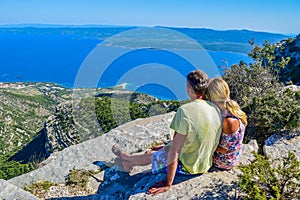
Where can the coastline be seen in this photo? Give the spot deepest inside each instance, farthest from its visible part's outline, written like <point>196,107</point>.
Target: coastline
<point>52,85</point>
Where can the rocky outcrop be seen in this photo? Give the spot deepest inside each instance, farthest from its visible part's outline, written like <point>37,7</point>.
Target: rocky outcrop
<point>9,191</point>
<point>289,48</point>
<point>214,184</point>
<point>76,121</point>
<point>136,137</point>
<point>60,129</point>
<point>132,137</point>
<point>112,183</point>
<point>293,88</point>
<point>278,146</point>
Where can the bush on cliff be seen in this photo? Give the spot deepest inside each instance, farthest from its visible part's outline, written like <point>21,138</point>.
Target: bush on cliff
<point>10,169</point>
<point>270,107</point>
<point>260,180</point>
<point>112,112</point>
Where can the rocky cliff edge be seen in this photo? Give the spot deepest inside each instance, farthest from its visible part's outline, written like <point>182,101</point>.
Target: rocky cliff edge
<point>135,136</point>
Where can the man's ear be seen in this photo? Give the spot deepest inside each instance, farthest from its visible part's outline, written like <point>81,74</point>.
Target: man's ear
<point>189,90</point>
<point>188,87</point>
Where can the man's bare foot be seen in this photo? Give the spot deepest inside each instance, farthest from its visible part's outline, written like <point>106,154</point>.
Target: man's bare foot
<point>117,151</point>
<point>124,164</point>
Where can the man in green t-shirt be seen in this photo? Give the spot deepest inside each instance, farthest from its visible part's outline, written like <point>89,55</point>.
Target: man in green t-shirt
<point>197,127</point>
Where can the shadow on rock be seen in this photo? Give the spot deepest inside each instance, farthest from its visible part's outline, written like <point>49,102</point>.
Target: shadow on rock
<point>120,185</point>
<point>117,184</point>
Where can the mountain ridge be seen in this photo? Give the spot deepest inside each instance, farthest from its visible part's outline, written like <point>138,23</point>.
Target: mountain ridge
<point>211,39</point>
<point>34,25</point>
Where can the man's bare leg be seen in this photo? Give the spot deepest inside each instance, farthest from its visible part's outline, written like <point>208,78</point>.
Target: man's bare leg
<point>139,159</point>
<point>155,149</point>
<point>129,161</point>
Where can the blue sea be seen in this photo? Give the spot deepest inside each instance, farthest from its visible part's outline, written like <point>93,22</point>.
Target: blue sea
<point>60,59</point>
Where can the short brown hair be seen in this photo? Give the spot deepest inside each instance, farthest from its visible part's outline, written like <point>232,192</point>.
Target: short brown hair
<point>198,81</point>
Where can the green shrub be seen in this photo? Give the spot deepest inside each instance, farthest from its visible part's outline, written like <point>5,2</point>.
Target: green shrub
<point>112,112</point>
<point>270,108</point>
<point>268,58</point>
<point>78,178</point>
<point>247,82</point>
<point>10,169</point>
<point>273,112</point>
<point>262,181</point>
<point>39,188</point>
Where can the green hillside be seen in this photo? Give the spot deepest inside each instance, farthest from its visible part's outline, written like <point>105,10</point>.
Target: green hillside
<point>24,107</point>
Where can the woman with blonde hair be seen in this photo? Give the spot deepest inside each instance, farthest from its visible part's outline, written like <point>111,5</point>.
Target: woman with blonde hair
<point>228,151</point>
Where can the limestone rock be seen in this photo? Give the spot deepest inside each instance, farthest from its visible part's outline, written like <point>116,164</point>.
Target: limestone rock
<point>135,136</point>
<point>277,145</point>
<point>9,191</point>
<point>247,150</point>
<point>294,88</point>
<point>60,129</point>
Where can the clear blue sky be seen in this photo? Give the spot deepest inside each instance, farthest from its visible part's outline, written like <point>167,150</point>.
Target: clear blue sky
<point>260,15</point>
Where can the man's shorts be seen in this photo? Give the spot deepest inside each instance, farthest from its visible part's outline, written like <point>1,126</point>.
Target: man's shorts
<point>160,163</point>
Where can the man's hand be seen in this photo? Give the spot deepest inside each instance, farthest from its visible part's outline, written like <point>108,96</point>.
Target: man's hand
<point>158,188</point>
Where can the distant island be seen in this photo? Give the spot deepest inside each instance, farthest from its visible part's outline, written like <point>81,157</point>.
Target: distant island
<point>215,40</point>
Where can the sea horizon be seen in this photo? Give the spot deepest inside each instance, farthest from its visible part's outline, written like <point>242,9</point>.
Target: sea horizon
<point>56,25</point>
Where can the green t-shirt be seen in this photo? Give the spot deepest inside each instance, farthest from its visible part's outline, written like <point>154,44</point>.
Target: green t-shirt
<point>201,122</point>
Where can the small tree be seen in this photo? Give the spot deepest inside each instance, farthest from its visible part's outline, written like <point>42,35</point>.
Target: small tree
<point>249,81</point>
<point>261,181</point>
<point>267,57</point>
<point>273,112</point>
<point>269,106</point>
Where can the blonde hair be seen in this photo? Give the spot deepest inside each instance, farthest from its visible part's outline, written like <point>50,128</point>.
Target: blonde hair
<point>218,91</point>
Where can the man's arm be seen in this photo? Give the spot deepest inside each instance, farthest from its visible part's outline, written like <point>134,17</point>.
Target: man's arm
<point>173,156</point>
